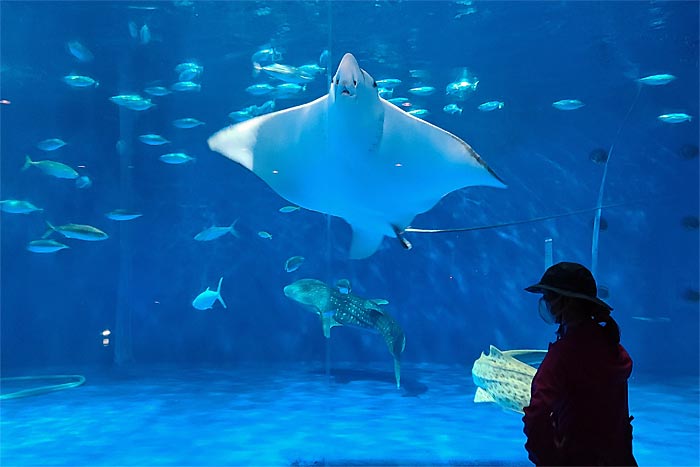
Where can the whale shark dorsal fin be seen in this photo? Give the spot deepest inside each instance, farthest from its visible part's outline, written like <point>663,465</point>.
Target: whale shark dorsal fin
<point>495,353</point>
<point>482,396</point>
<point>374,306</point>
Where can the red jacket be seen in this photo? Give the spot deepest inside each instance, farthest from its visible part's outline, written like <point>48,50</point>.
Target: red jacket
<point>578,412</point>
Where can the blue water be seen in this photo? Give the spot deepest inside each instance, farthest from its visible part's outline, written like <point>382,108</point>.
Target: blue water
<point>453,294</point>
<point>300,416</point>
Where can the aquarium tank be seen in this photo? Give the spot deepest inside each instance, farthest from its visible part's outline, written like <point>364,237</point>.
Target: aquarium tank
<point>298,233</point>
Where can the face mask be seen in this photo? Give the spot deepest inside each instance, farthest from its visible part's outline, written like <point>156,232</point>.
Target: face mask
<point>545,310</point>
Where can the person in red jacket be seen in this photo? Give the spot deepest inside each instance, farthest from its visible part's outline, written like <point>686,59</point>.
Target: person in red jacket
<point>578,412</point>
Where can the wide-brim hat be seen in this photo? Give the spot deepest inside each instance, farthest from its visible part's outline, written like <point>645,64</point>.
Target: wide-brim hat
<point>570,280</point>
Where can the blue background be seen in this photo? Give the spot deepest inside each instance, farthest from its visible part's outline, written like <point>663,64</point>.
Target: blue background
<point>453,294</point>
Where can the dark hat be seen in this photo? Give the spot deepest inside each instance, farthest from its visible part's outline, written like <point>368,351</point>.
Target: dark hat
<point>571,280</point>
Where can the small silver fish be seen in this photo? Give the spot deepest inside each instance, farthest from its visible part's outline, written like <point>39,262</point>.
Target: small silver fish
<point>266,56</point>
<point>452,109</point>
<point>132,102</point>
<point>491,106</point>
<point>123,215</point>
<point>389,83</point>
<point>312,69</point>
<point>191,66</point>
<point>141,105</point>
<point>653,319</point>
<point>287,209</point>
<point>176,158</point>
<point>400,101</point>
<point>16,206</point>
<point>45,246</point>
<point>293,263</point>
<point>420,113</point>
<point>241,115</point>
<point>675,118</point>
<point>121,147</point>
<point>287,90</point>
<point>79,51</point>
<point>265,235</point>
<point>153,139</point>
<point>463,87</point>
<point>123,99</point>
<point>188,71</point>
<point>214,232</point>
<point>422,91</point>
<point>259,89</point>
<point>568,104</point>
<point>83,182</point>
<point>145,35</point>
<point>53,168</point>
<point>133,30</point>
<point>286,73</point>
<point>50,144</point>
<point>187,123</point>
<point>157,91</point>
<point>77,231</point>
<point>206,299</point>
<point>263,11</point>
<point>419,74</point>
<point>186,86</point>
<point>656,80</point>
<point>385,93</point>
<point>325,58</point>
<point>265,107</point>
<point>78,81</point>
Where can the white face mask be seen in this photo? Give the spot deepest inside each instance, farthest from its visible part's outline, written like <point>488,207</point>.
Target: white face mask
<point>545,310</point>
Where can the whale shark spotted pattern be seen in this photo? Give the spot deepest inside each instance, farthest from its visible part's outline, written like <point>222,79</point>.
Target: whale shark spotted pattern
<point>336,308</point>
<point>354,155</point>
<point>506,377</point>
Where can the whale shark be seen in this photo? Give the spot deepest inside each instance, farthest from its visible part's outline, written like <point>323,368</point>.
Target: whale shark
<point>505,378</point>
<point>336,308</point>
<point>354,155</point>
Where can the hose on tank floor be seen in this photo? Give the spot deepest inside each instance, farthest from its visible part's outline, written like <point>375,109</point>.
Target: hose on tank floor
<point>74,382</point>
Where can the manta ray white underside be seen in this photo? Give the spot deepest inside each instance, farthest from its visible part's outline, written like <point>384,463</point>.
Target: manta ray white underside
<point>353,155</point>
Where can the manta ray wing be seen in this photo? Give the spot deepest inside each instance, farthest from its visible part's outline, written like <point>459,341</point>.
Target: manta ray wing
<point>412,167</point>
<point>283,148</point>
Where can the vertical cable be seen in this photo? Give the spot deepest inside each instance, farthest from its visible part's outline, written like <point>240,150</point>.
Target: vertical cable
<point>599,205</point>
<point>329,240</point>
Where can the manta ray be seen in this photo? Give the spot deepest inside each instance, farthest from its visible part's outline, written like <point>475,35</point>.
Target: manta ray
<point>506,377</point>
<point>336,308</point>
<point>353,155</point>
